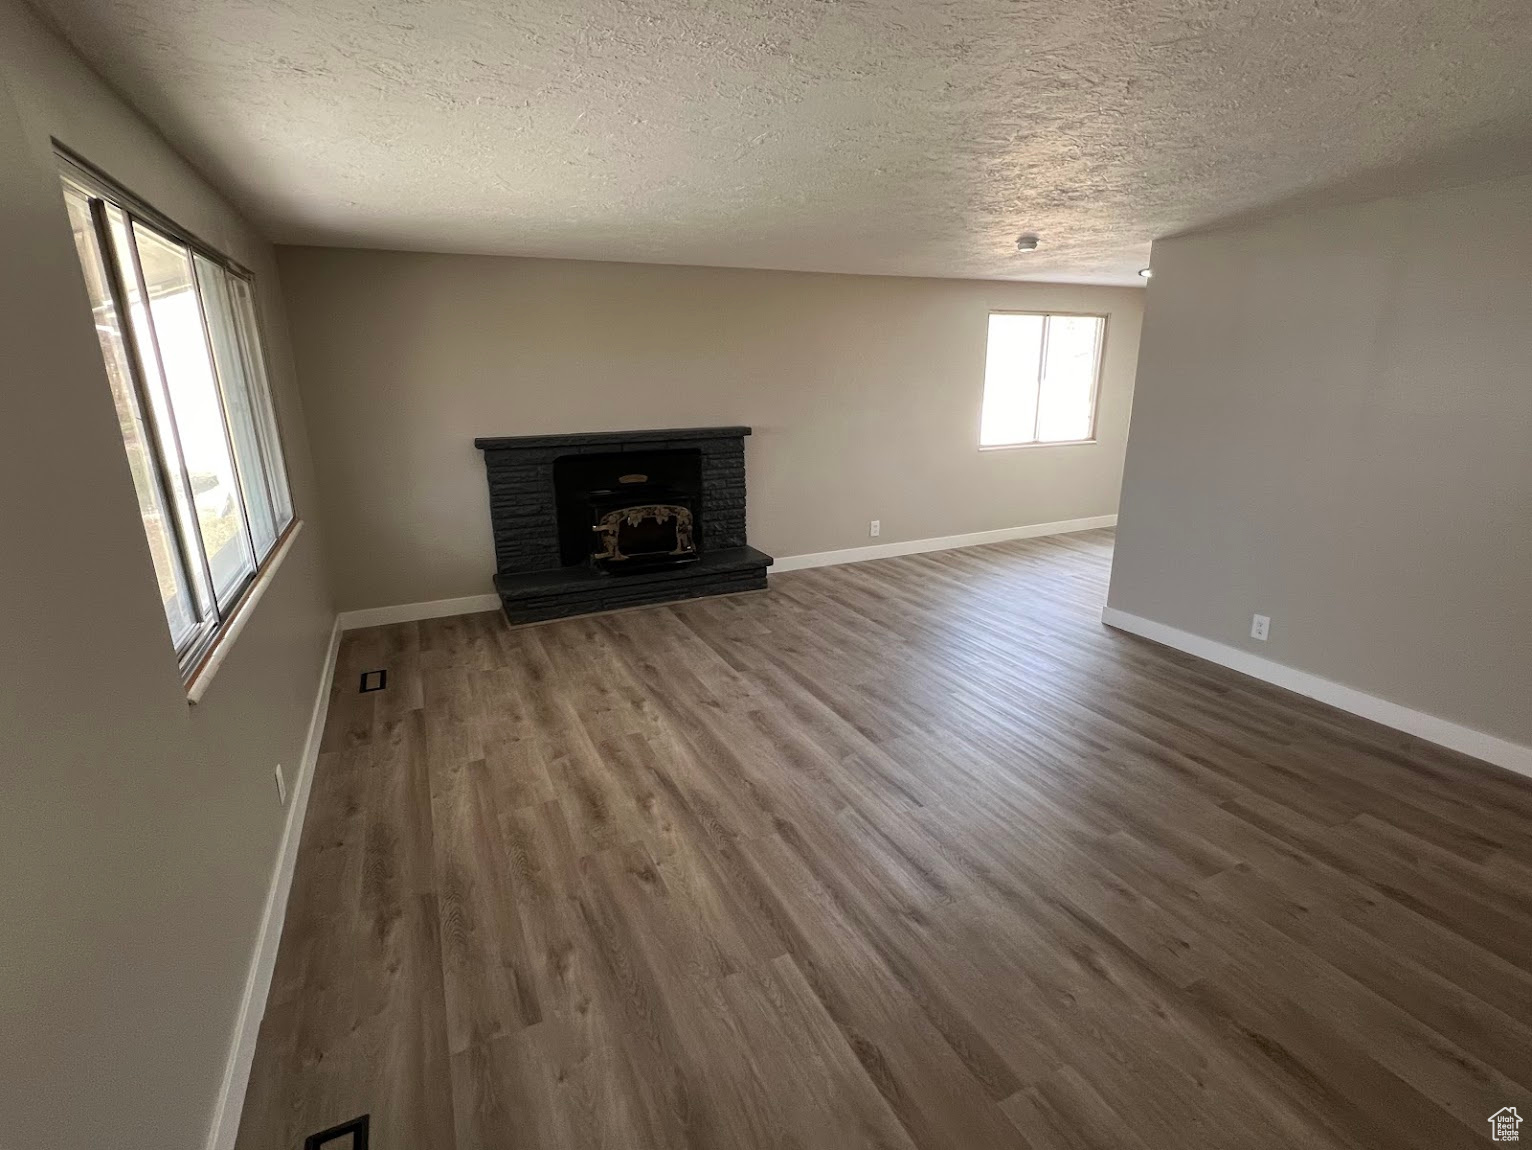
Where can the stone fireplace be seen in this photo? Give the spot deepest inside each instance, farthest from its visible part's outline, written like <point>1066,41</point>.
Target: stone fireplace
<point>592,522</point>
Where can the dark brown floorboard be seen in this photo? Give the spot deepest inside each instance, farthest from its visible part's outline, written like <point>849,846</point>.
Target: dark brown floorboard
<point>913,853</point>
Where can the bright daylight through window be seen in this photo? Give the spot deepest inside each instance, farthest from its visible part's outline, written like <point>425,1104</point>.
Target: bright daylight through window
<point>1040,376</point>
<point>189,383</point>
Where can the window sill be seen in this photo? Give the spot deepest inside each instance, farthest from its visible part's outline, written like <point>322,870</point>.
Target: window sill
<point>202,677</point>
<point>1026,446</point>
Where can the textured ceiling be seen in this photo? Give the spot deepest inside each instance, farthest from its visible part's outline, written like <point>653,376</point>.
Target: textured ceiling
<point>906,136</point>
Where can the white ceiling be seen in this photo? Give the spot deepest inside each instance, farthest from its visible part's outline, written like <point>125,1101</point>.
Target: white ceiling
<point>902,136</point>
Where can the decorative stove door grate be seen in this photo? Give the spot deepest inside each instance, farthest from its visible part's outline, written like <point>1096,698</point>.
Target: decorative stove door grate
<point>644,534</point>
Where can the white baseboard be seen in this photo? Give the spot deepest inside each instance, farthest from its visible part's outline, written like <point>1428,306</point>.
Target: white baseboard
<point>409,612</point>
<point>940,543</point>
<point>247,1027</point>
<point>1443,732</point>
<point>469,604</point>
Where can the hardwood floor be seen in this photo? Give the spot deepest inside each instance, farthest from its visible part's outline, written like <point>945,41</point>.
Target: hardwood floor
<point>912,853</point>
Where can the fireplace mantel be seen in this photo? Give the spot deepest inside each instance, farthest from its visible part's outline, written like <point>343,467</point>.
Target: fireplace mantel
<point>609,440</point>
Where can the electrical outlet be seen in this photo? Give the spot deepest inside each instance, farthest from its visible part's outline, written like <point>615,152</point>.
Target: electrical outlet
<point>281,787</point>
<point>1260,627</point>
<point>875,528</point>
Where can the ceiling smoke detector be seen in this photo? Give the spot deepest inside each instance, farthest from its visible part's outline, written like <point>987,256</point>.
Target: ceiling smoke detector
<point>1026,243</point>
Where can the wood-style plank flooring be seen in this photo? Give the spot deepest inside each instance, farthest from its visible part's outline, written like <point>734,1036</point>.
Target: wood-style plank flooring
<point>912,853</point>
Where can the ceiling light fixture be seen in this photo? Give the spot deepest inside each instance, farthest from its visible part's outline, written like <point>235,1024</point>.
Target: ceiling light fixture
<point>1026,243</point>
<point>1147,273</point>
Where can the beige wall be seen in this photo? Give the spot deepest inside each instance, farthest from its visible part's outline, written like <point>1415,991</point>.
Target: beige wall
<point>864,395</point>
<point>137,834</point>
<point>1333,427</point>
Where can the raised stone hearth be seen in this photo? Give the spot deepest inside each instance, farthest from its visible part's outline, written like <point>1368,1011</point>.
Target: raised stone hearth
<point>555,504</point>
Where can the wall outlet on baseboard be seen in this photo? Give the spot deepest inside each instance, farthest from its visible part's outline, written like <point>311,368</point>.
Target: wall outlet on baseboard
<point>875,528</point>
<point>1260,627</point>
<point>281,786</point>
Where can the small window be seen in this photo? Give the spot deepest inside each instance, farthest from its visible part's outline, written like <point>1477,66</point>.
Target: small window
<point>1040,374</point>
<point>177,327</point>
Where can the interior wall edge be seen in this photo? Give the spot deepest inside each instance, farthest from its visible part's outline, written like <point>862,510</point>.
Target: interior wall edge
<point>413,612</point>
<point>1434,729</point>
<point>472,604</point>
<point>252,1007</point>
<point>939,543</point>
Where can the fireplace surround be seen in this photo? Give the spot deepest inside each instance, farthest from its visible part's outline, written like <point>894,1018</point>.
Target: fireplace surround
<point>595,521</point>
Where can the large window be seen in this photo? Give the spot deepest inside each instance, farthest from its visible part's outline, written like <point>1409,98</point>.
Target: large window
<point>178,331</point>
<point>1040,376</point>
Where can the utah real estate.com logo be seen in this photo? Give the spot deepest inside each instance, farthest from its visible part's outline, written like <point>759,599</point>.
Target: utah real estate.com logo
<point>1505,1125</point>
